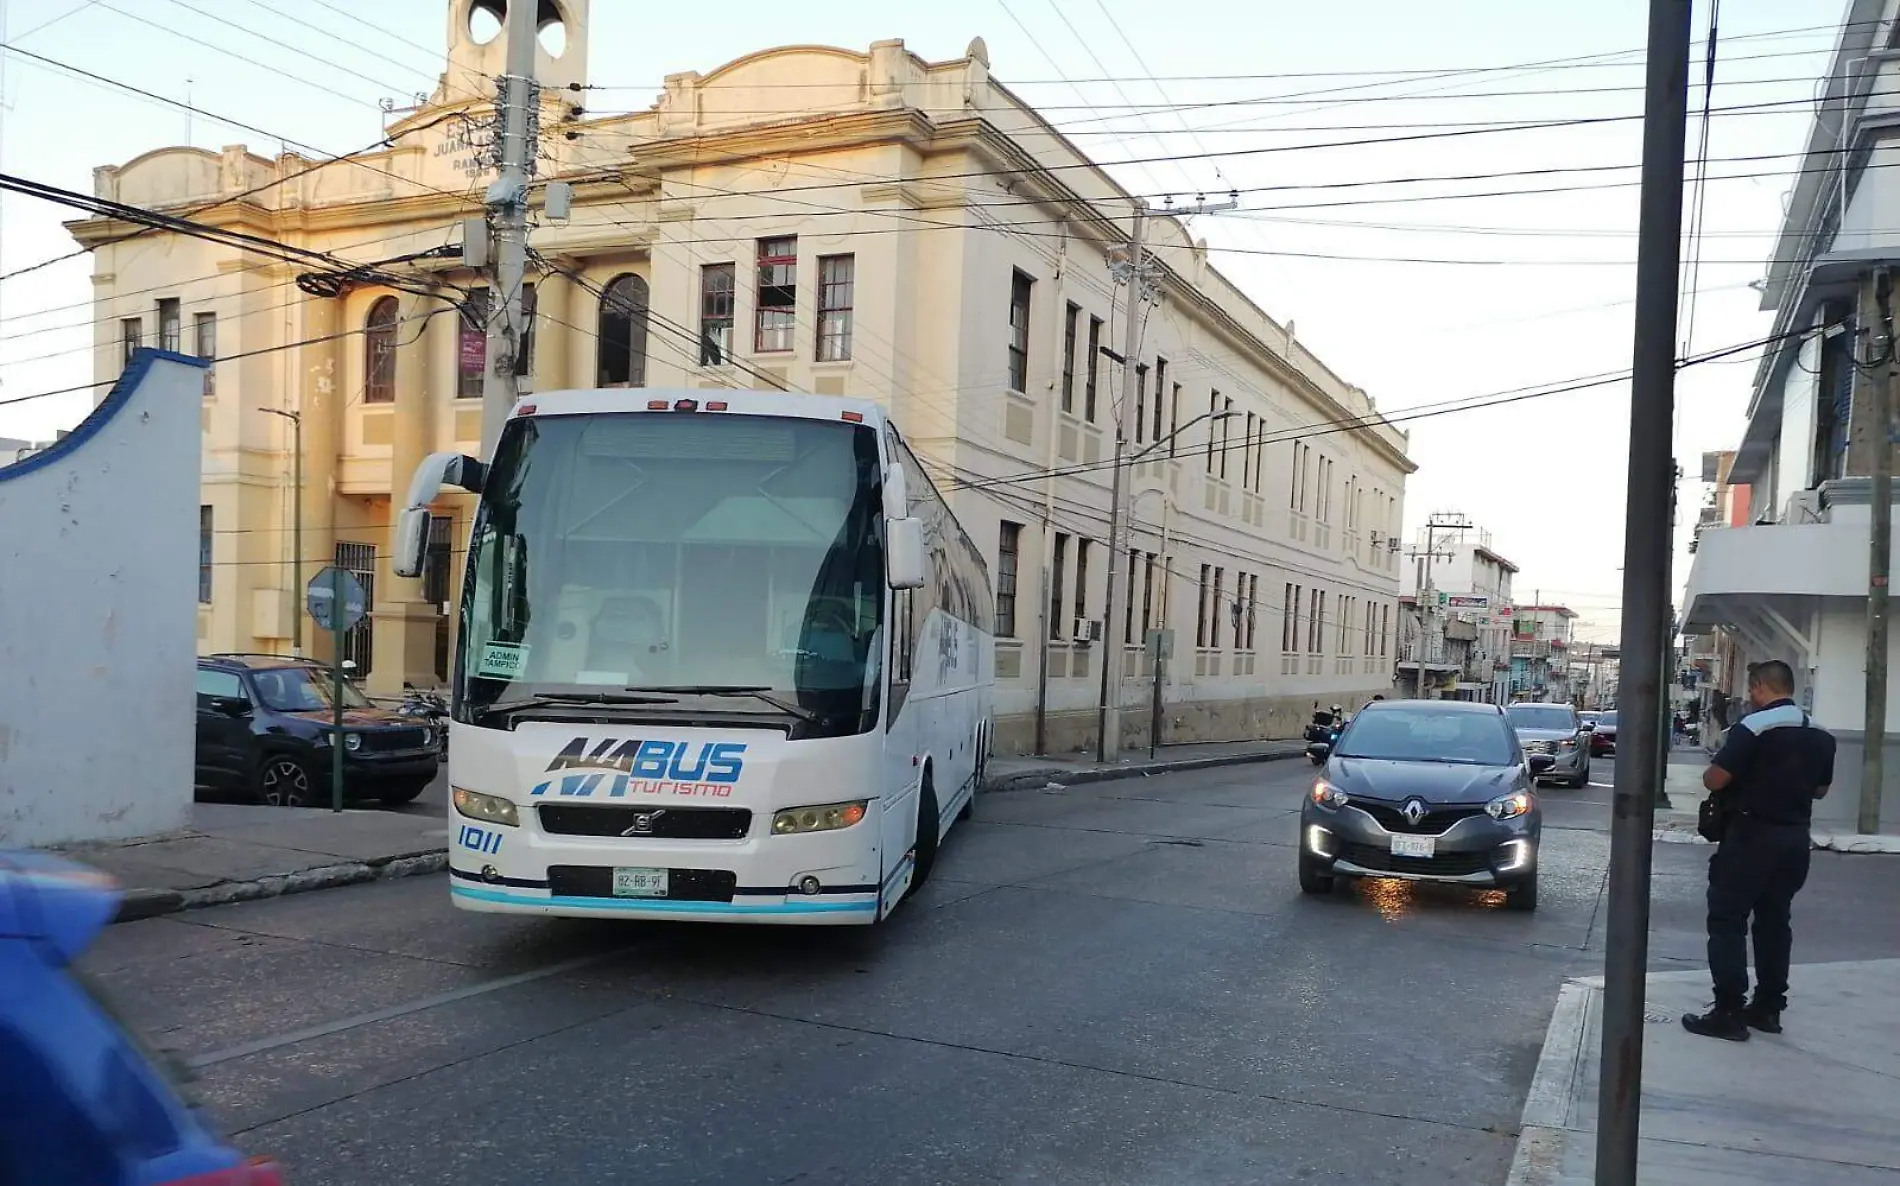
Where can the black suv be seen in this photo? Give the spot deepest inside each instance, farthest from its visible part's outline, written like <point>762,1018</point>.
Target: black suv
<point>264,725</point>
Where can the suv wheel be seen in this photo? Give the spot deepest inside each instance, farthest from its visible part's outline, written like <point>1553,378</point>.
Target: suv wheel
<point>283,781</point>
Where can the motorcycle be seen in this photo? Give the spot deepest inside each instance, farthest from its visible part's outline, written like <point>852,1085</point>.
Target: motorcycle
<point>1319,734</point>
<point>427,706</point>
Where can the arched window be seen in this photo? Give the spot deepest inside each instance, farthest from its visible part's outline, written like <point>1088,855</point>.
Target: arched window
<point>623,333</point>
<point>379,352</point>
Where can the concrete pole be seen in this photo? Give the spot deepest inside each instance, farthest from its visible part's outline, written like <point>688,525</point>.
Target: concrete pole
<point>1647,545</point>
<point>1879,561</point>
<point>507,202</point>
<point>1108,716</point>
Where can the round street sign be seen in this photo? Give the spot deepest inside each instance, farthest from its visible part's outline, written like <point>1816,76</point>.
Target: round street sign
<point>332,588</point>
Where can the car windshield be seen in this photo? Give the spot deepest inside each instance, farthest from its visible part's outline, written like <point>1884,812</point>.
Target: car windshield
<point>302,689</point>
<point>1608,718</point>
<point>1541,716</point>
<point>685,553</point>
<point>1422,734</point>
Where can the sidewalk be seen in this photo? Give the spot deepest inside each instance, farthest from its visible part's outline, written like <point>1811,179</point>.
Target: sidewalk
<point>1814,1106</point>
<point>1683,782</point>
<point>236,852</point>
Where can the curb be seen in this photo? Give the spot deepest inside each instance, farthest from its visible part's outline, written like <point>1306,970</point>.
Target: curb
<point>148,903</point>
<point>1544,1129</point>
<point>1032,780</point>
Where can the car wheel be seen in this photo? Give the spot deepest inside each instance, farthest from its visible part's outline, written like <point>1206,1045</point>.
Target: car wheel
<point>929,829</point>
<point>1522,896</point>
<point>401,793</point>
<point>283,781</point>
<point>1582,780</point>
<point>1314,879</point>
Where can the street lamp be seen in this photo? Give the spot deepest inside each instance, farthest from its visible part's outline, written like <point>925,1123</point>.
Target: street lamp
<point>1108,715</point>
<point>296,540</point>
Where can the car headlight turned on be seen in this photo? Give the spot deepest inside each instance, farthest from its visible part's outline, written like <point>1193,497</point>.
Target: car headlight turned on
<point>352,741</point>
<point>825,817</point>
<point>1510,806</point>
<point>492,809</point>
<point>1326,795</point>
<point>1567,743</point>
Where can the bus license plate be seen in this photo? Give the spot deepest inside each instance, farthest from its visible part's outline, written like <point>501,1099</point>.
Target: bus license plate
<point>1402,846</point>
<point>640,883</point>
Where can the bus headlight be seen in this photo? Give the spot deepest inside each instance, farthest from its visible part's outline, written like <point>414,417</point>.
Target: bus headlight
<point>825,817</point>
<point>492,809</point>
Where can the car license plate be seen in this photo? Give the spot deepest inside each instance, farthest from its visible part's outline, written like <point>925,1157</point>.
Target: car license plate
<point>1413,846</point>
<point>640,883</point>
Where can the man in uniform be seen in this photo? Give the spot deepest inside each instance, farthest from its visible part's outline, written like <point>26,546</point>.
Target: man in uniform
<point>1771,768</point>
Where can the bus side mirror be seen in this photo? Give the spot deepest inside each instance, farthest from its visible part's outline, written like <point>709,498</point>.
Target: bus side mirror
<point>896,494</point>
<point>904,553</point>
<point>412,542</point>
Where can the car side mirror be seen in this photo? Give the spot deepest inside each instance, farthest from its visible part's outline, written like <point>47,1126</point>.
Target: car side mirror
<point>904,553</point>
<point>1588,727</point>
<point>231,706</point>
<point>1318,750</point>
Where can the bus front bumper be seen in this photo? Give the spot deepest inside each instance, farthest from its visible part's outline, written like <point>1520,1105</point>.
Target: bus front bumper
<point>820,878</point>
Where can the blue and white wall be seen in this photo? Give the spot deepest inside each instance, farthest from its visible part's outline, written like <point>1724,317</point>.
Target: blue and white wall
<point>98,617</point>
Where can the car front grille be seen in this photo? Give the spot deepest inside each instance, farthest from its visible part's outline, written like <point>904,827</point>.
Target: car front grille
<point>683,885</point>
<point>1434,822</point>
<point>668,823</point>
<point>1539,747</point>
<point>1451,864</point>
<point>389,741</point>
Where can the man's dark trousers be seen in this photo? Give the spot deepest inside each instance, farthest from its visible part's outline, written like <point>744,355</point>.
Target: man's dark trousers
<point>1757,870</point>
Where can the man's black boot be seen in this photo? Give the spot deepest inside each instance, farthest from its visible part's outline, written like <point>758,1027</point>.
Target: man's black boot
<point>1761,1017</point>
<point>1725,1022</point>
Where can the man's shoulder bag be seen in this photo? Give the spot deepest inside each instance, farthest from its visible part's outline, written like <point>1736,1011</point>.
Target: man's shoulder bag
<point>1712,818</point>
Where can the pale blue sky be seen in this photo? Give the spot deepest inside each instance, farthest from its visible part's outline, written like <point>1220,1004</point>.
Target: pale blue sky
<point>1545,476</point>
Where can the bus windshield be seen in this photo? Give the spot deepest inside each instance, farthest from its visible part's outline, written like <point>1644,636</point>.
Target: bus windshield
<point>688,553</point>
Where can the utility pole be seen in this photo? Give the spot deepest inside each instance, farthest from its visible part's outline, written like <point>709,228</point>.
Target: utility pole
<point>296,530</point>
<point>1647,545</point>
<point>1873,770</point>
<point>518,100</point>
<point>1108,717</point>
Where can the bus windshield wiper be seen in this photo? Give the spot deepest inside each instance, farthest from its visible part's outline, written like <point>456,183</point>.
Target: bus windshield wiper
<point>566,699</point>
<point>757,693</point>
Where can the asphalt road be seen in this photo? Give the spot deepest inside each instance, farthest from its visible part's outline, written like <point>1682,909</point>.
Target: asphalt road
<point>1113,985</point>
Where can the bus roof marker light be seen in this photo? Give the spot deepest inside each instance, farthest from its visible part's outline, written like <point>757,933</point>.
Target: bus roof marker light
<point>686,405</point>
<point>853,417</point>
<point>525,410</point>
<point>656,405</point>
<point>718,405</point>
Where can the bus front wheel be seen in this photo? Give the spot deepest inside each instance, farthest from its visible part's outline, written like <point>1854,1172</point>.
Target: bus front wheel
<point>929,829</point>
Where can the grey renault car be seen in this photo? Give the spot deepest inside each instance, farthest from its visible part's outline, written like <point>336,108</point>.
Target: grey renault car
<point>1425,790</point>
<point>1556,730</point>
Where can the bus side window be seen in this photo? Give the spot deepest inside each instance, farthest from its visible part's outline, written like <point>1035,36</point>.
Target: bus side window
<point>903,632</point>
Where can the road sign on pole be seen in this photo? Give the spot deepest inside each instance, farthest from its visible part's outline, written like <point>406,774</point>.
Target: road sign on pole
<point>337,601</point>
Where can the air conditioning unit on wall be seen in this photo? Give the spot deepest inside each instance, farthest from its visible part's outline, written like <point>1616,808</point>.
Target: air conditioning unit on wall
<point>1087,630</point>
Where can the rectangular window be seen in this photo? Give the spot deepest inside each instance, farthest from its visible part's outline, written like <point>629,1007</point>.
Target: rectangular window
<point>131,337</point>
<point>1148,596</point>
<point>1081,577</point>
<point>1385,627</point>
<point>1289,615</point>
<point>1226,437</point>
<point>1092,370</point>
<point>471,344</point>
<point>777,313</point>
<point>170,326</point>
<point>1315,622</point>
<point>204,344</point>
<point>716,285</point>
<point>1339,635</point>
<point>1253,605</point>
<point>204,555</point>
<point>1057,572</point>
<point>1069,324</point>
<point>1174,420</point>
<point>1200,615</point>
<point>524,357</point>
<point>836,282</point>
<point>1020,287</point>
<point>1213,406</point>
<point>1248,460</point>
<point>1127,597</point>
<point>1008,542</point>
<point>1218,610</point>
<point>1161,392</point>
<point>1141,401</point>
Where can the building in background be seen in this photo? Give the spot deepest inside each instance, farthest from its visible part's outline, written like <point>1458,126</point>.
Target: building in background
<point>1791,584</point>
<point>1457,592</point>
<point>826,220</point>
<point>1593,674</point>
<point>1540,652</point>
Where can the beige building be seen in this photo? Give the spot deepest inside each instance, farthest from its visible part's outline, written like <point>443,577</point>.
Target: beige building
<point>839,222</point>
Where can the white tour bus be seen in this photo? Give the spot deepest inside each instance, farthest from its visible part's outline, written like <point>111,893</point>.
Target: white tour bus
<point>724,655</point>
